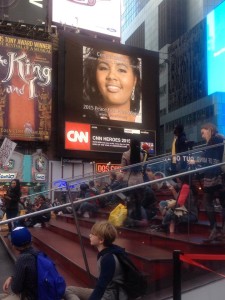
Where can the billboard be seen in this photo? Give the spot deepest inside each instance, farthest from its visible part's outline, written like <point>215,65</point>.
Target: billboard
<point>89,15</point>
<point>24,11</point>
<point>87,137</point>
<point>25,89</point>
<point>108,96</point>
<point>216,49</point>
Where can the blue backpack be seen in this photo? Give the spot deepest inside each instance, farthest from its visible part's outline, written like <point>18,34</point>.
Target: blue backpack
<point>51,285</point>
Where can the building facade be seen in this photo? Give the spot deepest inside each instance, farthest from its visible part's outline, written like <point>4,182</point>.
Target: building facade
<point>177,29</point>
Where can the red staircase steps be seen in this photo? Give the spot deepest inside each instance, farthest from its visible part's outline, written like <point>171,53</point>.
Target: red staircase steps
<point>70,280</point>
<point>151,252</point>
<point>147,258</point>
<point>66,253</point>
<point>186,239</point>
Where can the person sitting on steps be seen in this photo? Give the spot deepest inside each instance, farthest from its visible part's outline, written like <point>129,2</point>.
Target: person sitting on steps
<point>41,219</point>
<point>183,209</point>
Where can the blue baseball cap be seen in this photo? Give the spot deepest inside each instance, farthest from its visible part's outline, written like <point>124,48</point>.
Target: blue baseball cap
<point>20,236</point>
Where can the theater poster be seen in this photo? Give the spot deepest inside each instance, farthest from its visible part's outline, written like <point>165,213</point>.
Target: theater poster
<point>25,88</point>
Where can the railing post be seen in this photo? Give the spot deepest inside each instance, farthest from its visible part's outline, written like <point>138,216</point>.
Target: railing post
<point>78,231</point>
<point>176,275</point>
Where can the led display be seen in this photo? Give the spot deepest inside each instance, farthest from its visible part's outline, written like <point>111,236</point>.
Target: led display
<point>107,96</point>
<point>101,16</point>
<point>216,49</point>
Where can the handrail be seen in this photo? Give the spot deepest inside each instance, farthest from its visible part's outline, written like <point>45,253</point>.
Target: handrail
<point>125,189</point>
<point>152,161</point>
<point>79,201</point>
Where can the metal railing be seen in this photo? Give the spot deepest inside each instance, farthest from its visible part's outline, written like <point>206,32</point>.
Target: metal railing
<point>73,203</point>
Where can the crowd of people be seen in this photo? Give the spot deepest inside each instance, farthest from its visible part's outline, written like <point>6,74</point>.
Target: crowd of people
<point>142,203</point>
<point>142,207</point>
<point>13,205</point>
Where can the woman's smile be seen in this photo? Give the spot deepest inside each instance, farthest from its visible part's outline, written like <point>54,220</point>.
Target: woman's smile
<point>115,79</point>
<point>113,88</point>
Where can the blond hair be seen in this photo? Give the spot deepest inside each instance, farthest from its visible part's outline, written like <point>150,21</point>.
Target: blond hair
<point>105,231</point>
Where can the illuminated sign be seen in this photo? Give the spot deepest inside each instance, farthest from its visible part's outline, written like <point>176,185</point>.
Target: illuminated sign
<point>99,112</point>
<point>40,177</point>
<point>25,89</point>
<point>216,49</point>
<point>94,16</point>
<point>7,176</point>
<point>79,136</point>
<point>106,167</point>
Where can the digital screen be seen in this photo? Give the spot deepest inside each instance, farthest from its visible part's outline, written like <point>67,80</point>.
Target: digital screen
<point>109,96</point>
<point>24,11</point>
<point>216,49</point>
<point>102,16</point>
<point>114,92</point>
<point>86,137</point>
<point>25,89</point>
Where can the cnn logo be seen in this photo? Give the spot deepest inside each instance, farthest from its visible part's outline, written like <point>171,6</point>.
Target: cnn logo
<point>77,136</point>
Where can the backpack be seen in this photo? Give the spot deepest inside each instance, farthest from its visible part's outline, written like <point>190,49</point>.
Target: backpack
<point>135,284</point>
<point>51,285</point>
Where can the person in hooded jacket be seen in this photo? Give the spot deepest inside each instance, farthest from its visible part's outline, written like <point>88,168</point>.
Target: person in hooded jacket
<point>109,284</point>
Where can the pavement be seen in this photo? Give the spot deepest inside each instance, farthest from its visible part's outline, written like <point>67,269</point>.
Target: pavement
<point>6,264</point>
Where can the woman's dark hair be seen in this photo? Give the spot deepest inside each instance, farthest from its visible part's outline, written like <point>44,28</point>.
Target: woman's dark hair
<point>113,176</point>
<point>42,197</point>
<point>16,189</point>
<point>135,151</point>
<point>91,93</point>
<point>179,128</point>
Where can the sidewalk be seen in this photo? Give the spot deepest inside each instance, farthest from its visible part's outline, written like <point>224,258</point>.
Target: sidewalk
<point>6,264</point>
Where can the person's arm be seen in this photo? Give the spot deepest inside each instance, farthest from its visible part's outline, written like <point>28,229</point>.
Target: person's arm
<point>108,266</point>
<point>18,277</point>
<point>173,191</point>
<point>123,160</point>
<point>183,195</point>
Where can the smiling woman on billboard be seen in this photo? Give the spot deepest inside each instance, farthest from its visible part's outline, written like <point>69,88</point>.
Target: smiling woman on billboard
<point>112,86</point>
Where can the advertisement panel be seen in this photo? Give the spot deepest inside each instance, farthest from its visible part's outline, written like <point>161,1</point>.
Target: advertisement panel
<point>86,137</point>
<point>216,49</point>
<point>89,14</point>
<point>110,95</point>
<point>24,11</point>
<point>25,89</point>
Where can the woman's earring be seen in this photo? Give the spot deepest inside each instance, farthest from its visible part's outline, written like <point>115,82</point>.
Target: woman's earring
<point>132,94</point>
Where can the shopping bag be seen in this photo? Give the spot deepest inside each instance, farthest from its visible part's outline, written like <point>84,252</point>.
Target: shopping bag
<point>171,203</point>
<point>5,226</point>
<point>118,215</point>
<point>180,211</point>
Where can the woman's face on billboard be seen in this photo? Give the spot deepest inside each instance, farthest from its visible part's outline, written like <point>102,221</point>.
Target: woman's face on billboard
<point>115,79</point>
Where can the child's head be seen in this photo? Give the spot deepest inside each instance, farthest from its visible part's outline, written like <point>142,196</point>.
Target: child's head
<point>21,237</point>
<point>105,231</point>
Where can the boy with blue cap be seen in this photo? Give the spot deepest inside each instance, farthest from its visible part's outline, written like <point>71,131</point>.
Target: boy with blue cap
<point>23,282</point>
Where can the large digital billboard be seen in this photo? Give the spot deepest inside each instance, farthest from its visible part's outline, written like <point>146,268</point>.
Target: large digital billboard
<point>24,11</point>
<point>101,16</point>
<point>216,49</point>
<point>25,88</point>
<point>107,95</point>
